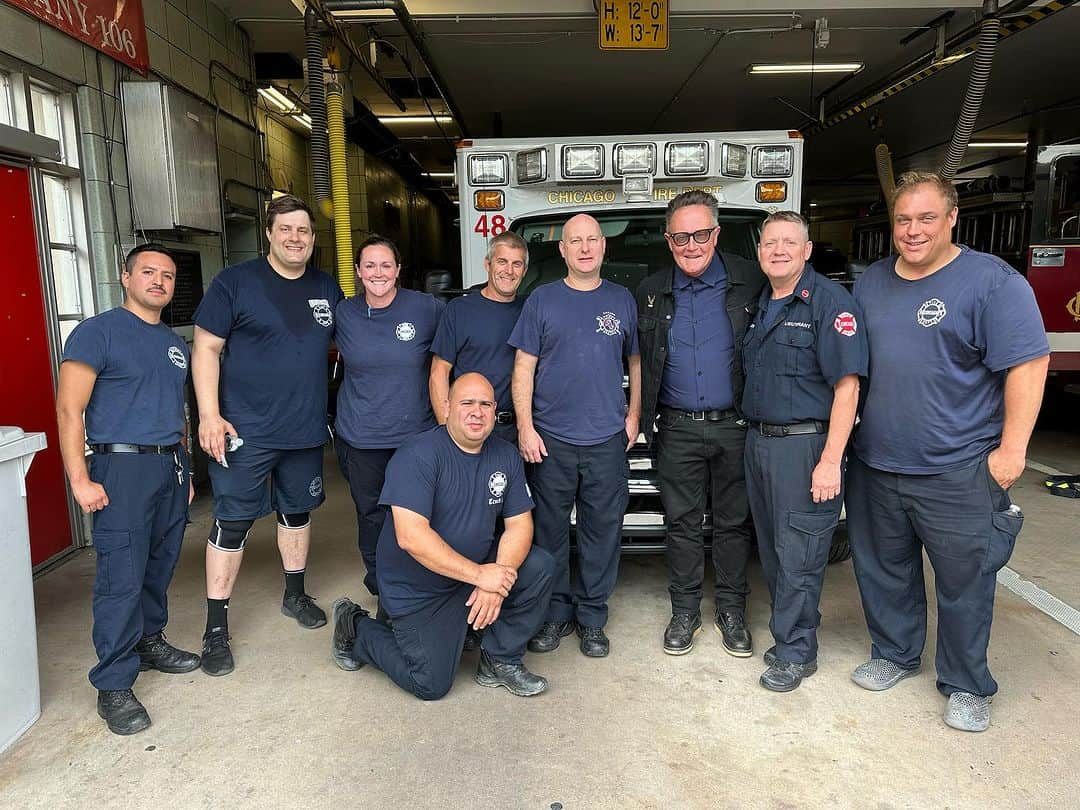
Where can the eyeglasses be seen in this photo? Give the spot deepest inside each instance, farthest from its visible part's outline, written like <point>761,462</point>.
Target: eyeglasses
<point>701,237</point>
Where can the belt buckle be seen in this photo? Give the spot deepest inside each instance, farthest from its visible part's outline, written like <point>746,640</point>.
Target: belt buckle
<point>697,416</point>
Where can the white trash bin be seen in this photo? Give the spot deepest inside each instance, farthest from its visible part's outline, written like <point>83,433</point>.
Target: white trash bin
<point>20,705</point>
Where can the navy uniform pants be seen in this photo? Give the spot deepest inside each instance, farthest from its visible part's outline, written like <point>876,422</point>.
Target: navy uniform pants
<point>595,478</point>
<point>365,473</point>
<point>793,535</point>
<point>693,459</point>
<point>963,521</point>
<point>422,650</point>
<point>137,539</point>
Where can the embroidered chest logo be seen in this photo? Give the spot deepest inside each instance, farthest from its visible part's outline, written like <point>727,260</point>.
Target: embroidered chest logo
<point>931,313</point>
<point>405,331</point>
<point>845,324</point>
<point>607,323</point>
<point>176,357</point>
<point>496,486</point>
<point>321,312</point>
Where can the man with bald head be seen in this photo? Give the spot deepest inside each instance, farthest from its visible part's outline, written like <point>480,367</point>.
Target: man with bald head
<point>574,428</point>
<point>445,488</point>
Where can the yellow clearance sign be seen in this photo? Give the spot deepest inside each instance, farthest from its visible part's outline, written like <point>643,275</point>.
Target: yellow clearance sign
<point>630,25</point>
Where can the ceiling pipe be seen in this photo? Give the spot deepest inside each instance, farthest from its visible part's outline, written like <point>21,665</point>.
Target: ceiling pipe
<point>417,40</point>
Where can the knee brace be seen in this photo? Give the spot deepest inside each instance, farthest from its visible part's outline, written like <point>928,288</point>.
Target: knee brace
<point>229,535</point>
<point>296,520</point>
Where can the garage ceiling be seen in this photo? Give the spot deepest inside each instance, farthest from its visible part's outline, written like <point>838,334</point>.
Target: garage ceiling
<point>530,68</point>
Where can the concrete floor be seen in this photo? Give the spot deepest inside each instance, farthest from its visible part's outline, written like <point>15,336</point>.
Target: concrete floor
<point>638,729</point>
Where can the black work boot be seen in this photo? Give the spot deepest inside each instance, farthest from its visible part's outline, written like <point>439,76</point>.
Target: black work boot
<point>345,613</point>
<point>784,676</point>
<point>731,624</point>
<point>216,656</point>
<point>594,643</point>
<point>473,639</point>
<point>680,632</point>
<point>515,677</point>
<point>157,653</point>
<point>303,608</point>
<point>549,635</point>
<point>121,711</point>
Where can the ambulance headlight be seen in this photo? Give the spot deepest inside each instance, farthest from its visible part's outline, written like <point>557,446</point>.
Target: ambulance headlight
<point>733,160</point>
<point>686,157</point>
<point>773,161</point>
<point>635,158</point>
<point>488,170</point>
<point>583,162</point>
<point>531,166</point>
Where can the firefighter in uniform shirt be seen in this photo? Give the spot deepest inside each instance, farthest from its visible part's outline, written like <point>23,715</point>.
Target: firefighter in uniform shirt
<point>126,370</point>
<point>803,356</point>
<point>958,359</point>
<point>262,333</point>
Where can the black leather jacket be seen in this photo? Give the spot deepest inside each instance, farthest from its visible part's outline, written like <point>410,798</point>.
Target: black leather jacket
<point>656,308</point>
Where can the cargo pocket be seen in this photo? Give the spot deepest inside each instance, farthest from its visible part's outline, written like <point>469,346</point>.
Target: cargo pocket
<point>412,650</point>
<point>115,566</point>
<point>806,546</point>
<point>1003,531</point>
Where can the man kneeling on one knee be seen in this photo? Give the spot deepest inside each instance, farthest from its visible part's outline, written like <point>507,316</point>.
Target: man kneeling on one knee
<point>445,488</point>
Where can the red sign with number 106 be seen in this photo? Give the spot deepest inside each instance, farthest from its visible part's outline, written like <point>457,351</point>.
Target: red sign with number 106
<point>114,27</point>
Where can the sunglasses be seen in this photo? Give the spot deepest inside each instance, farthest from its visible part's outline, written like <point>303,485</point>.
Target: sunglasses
<point>683,237</point>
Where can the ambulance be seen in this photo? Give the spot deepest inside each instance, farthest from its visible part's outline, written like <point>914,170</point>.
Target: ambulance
<point>533,185</point>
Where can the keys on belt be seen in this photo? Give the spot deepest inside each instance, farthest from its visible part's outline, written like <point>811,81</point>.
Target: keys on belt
<point>796,429</point>
<point>504,418</point>
<point>700,416</point>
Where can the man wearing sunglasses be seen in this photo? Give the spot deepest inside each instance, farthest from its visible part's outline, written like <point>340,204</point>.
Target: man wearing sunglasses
<point>691,321</point>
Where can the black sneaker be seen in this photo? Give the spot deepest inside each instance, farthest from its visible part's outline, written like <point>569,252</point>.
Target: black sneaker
<point>303,608</point>
<point>473,639</point>
<point>345,613</point>
<point>784,676</point>
<point>216,656</point>
<point>121,711</point>
<point>157,653</point>
<point>514,677</point>
<point>549,635</point>
<point>731,624</point>
<point>680,632</point>
<point>594,643</point>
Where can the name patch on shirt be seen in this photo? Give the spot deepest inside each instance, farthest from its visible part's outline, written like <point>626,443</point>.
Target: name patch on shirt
<point>799,324</point>
<point>321,312</point>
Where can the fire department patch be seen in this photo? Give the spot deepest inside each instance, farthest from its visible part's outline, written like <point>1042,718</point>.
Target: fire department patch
<point>321,312</point>
<point>497,483</point>
<point>931,313</point>
<point>176,357</point>
<point>405,331</point>
<point>845,324</point>
<point>607,323</point>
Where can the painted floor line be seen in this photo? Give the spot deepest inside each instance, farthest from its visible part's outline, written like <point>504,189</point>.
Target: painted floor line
<point>1044,601</point>
<point>1045,469</point>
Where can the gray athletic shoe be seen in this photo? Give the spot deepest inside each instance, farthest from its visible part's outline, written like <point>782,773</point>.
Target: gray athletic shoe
<point>879,674</point>
<point>968,712</point>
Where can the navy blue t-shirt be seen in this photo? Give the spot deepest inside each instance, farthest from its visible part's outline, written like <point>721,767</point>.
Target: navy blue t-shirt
<point>816,339</point>
<point>138,397</point>
<point>701,343</point>
<point>773,308</point>
<point>939,350</point>
<point>277,335</point>
<point>472,336</point>
<point>580,339</point>
<point>460,494</point>
<point>384,397</point>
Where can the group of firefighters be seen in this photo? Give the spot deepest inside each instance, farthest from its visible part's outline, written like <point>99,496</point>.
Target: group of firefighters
<point>469,433</point>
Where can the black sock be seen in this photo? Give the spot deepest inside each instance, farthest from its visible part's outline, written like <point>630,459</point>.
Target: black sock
<point>294,582</point>
<point>217,614</point>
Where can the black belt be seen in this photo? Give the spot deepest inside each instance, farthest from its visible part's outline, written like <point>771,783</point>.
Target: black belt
<point>135,448</point>
<point>797,429</point>
<point>699,416</point>
<point>504,418</point>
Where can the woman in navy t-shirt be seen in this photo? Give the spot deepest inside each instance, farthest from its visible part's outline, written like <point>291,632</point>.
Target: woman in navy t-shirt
<point>384,335</point>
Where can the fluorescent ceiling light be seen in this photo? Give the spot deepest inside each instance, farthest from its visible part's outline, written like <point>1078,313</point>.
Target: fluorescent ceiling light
<point>303,118</point>
<point>806,67</point>
<point>439,174</point>
<point>415,119</point>
<point>956,57</point>
<point>275,97</point>
<point>998,145</point>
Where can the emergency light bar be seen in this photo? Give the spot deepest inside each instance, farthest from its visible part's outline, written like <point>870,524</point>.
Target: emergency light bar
<point>733,160</point>
<point>682,158</point>
<point>634,158</point>
<point>583,162</point>
<point>773,161</point>
<point>531,166</point>
<point>488,170</point>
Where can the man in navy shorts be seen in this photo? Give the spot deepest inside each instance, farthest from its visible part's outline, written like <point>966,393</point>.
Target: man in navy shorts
<point>262,333</point>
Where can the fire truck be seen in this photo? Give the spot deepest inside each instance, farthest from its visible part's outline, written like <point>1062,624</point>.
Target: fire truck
<point>533,185</point>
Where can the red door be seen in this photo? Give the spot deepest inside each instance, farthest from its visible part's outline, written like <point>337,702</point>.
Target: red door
<point>27,397</point>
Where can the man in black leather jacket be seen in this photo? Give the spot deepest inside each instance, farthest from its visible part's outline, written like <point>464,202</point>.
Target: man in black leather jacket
<point>692,318</point>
